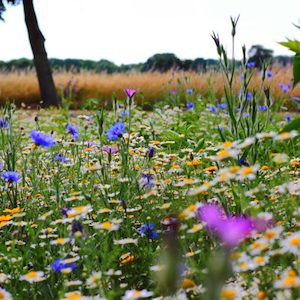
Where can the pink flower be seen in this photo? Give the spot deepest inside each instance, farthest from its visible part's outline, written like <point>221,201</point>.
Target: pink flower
<point>234,230</point>
<point>110,149</point>
<point>230,229</point>
<point>130,92</point>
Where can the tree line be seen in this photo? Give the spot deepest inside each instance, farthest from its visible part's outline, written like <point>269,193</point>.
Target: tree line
<point>159,62</point>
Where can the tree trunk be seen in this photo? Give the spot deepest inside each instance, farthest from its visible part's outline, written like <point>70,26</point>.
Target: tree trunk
<point>40,58</point>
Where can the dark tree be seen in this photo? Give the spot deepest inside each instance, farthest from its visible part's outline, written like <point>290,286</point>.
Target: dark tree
<point>259,55</point>
<point>162,63</point>
<point>40,58</point>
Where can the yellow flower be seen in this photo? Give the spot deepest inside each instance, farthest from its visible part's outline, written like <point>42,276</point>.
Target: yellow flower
<point>12,211</point>
<point>187,284</point>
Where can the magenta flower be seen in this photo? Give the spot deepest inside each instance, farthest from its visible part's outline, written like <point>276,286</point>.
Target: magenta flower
<point>110,149</point>
<point>234,230</point>
<point>230,229</point>
<point>130,92</point>
<point>212,215</point>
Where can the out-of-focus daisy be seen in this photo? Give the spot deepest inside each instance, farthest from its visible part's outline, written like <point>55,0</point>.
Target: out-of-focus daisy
<point>5,295</point>
<point>291,243</point>
<point>33,276</point>
<point>135,294</point>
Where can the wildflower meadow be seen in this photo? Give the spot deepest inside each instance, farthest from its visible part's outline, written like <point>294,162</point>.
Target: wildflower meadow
<point>194,199</point>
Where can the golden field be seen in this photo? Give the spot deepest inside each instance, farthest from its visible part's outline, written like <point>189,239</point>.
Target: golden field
<point>22,86</point>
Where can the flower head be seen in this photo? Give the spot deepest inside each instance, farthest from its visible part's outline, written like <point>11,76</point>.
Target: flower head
<point>130,92</point>
<point>190,105</point>
<point>148,231</point>
<point>4,124</point>
<point>72,129</point>
<point>11,176</point>
<point>42,139</point>
<point>115,131</point>
<point>60,265</point>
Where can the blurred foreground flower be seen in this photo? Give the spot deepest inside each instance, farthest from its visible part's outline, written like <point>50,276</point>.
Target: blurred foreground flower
<point>230,229</point>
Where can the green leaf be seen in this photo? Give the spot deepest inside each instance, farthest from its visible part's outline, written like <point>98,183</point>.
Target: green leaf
<point>292,125</point>
<point>296,69</point>
<point>293,45</point>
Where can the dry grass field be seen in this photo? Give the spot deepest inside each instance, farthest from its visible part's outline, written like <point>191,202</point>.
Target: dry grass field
<point>22,86</point>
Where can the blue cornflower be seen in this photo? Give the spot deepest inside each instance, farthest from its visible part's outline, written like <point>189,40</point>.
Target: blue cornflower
<point>243,162</point>
<point>251,64</point>
<point>11,176</point>
<point>115,131</point>
<point>213,109</point>
<point>284,87</point>
<point>61,158</point>
<point>222,106</point>
<point>4,124</point>
<point>262,108</point>
<point>60,265</point>
<point>124,113</point>
<point>288,118</point>
<point>42,139</point>
<point>189,91</point>
<point>190,105</point>
<point>150,153</point>
<point>248,96</point>
<point>246,115</point>
<point>269,74</point>
<point>147,230</point>
<point>65,210</point>
<point>73,130</point>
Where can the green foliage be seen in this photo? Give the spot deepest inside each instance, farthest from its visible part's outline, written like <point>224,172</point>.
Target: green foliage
<point>294,45</point>
<point>292,125</point>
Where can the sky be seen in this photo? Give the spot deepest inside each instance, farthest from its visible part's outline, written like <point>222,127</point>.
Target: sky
<point>130,31</point>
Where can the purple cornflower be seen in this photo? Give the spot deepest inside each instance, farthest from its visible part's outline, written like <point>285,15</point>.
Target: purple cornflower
<point>72,129</point>
<point>213,109</point>
<point>262,108</point>
<point>246,115</point>
<point>130,92</point>
<point>173,92</point>
<point>296,98</point>
<point>147,181</point>
<point>77,227</point>
<point>59,265</point>
<point>42,139</point>
<point>251,64</point>
<point>11,176</point>
<point>190,105</point>
<point>4,124</point>
<point>148,231</point>
<point>110,149</point>
<point>222,106</point>
<point>189,91</point>
<point>115,131</point>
